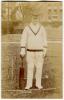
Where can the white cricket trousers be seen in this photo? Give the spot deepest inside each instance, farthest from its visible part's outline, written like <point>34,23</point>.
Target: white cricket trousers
<point>34,59</point>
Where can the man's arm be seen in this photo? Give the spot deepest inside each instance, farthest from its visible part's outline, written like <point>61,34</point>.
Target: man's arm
<point>44,41</point>
<point>23,42</point>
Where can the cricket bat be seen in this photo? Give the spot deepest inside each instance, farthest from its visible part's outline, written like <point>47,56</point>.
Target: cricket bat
<point>21,74</point>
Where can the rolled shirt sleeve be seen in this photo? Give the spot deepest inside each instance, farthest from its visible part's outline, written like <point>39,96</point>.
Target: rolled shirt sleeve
<point>24,38</point>
<point>44,37</point>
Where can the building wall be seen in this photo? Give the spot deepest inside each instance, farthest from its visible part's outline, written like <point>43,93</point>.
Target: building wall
<point>50,12</point>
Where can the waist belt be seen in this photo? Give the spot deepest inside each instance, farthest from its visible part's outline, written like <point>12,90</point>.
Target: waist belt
<point>31,50</point>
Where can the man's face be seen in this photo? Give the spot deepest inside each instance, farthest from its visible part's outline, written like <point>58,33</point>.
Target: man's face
<point>35,19</point>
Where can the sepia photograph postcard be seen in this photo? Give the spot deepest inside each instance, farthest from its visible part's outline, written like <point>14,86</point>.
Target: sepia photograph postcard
<point>31,49</point>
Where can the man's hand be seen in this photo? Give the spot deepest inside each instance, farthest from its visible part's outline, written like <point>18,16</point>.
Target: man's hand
<point>44,52</point>
<point>23,52</point>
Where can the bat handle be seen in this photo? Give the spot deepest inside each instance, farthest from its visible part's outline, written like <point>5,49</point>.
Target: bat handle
<point>22,61</point>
